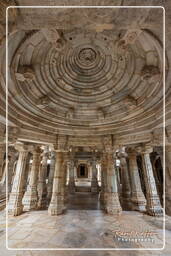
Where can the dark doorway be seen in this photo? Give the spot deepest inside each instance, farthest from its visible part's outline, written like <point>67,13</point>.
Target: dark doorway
<point>82,171</point>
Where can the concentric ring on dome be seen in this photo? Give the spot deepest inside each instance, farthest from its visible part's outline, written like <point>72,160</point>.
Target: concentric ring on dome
<point>87,55</point>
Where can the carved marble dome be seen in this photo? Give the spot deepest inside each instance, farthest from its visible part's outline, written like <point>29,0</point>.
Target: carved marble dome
<point>86,71</point>
<point>87,81</point>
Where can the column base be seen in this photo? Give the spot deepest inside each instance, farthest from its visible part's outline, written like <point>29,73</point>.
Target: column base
<point>94,186</point>
<point>156,212</point>
<point>49,193</point>
<point>49,197</point>
<point>30,201</point>
<point>138,202</point>
<point>42,203</point>
<point>112,204</point>
<point>71,188</point>
<point>56,206</point>
<point>102,202</point>
<point>15,206</point>
<point>153,207</point>
<point>94,190</point>
<point>126,202</point>
<point>42,198</point>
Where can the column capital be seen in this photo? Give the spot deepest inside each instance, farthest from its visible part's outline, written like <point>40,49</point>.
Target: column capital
<point>36,150</point>
<point>131,151</point>
<point>145,149</point>
<point>21,147</point>
<point>159,150</point>
<point>122,155</point>
<point>11,150</point>
<point>71,163</point>
<point>52,154</point>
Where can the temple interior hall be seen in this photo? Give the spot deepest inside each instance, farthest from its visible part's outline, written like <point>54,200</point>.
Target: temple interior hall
<point>85,128</point>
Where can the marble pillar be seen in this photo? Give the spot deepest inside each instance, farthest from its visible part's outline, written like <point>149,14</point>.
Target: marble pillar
<point>153,206</point>
<point>51,175</point>
<point>42,188</point>
<point>125,180</point>
<point>137,196</point>
<point>31,196</point>
<point>157,166</point>
<point>15,206</point>
<point>112,203</point>
<point>57,205</point>
<point>12,156</point>
<point>94,181</point>
<point>3,185</point>
<point>2,153</point>
<point>168,180</point>
<point>103,179</point>
<point>64,178</point>
<point>71,183</point>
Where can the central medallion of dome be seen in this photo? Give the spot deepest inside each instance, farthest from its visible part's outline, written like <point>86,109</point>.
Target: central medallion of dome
<point>87,56</point>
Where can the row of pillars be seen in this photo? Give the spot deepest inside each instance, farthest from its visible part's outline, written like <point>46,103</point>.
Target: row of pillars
<point>38,193</point>
<point>132,196</point>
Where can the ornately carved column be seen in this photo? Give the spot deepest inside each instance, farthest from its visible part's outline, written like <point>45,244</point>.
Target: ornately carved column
<point>168,179</point>
<point>56,206</point>
<point>42,188</point>
<point>2,153</point>
<point>126,187</point>
<point>94,181</point>
<point>31,196</point>
<point>103,179</point>
<point>64,178</point>
<point>15,206</point>
<point>112,204</point>
<point>71,184</point>
<point>137,197</point>
<point>51,175</point>
<point>153,206</point>
<point>12,158</point>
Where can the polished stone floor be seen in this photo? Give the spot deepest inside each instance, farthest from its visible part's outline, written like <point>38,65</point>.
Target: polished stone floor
<point>84,225</point>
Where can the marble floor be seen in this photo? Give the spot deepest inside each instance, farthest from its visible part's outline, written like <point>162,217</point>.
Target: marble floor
<point>84,226</point>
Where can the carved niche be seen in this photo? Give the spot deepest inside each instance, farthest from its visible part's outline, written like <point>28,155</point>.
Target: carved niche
<point>25,73</point>
<point>43,102</point>
<point>149,71</point>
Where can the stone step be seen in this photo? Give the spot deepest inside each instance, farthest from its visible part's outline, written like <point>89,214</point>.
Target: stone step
<point>83,189</point>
